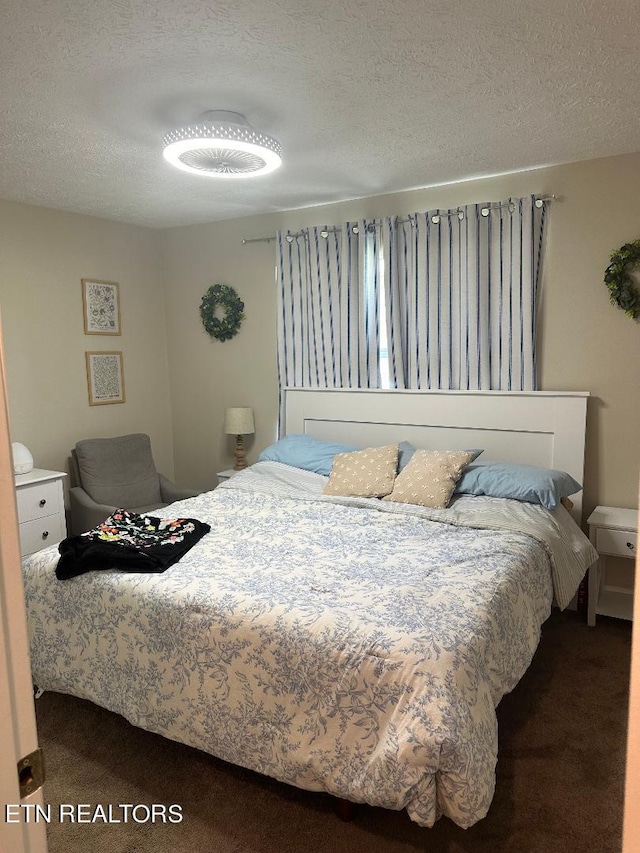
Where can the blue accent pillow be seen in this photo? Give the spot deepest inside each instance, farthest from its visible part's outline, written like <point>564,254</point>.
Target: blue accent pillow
<point>406,451</point>
<point>306,452</point>
<point>531,483</point>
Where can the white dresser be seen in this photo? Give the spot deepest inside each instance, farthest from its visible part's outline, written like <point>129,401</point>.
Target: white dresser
<point>40,509</point>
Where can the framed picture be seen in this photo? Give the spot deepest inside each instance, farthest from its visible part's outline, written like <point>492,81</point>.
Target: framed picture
<point>105,378</point>
<point>101,306</point>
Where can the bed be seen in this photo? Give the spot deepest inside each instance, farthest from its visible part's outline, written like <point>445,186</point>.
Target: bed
<point>340,644</point>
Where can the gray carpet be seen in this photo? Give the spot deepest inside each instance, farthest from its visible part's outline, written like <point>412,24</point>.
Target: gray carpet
<point>560,773</point>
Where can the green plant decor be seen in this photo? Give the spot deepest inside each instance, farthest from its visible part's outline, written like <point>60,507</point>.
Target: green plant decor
<point>623,290</point>
<point>222,296</point>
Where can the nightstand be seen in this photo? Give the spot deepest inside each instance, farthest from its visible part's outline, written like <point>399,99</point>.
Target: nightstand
<point>613,532</point>
<point>40,509</point>
<point>225,475</point>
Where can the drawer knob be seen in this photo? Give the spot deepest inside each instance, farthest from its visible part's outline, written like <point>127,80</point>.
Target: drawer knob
<point>630,545</point>
<point>45,533</point>
<point>43,501</point>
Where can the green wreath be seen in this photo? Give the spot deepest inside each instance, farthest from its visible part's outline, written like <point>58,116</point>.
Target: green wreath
<point>623,290</point>
<point>222,296</point>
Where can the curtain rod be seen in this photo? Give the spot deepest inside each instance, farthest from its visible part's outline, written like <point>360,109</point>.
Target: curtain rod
<point>435,218</point>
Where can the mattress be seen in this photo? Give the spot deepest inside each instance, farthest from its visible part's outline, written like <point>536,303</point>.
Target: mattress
<point>346,645</point>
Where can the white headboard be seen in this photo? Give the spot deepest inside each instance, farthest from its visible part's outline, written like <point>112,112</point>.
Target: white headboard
<point>544,428</point>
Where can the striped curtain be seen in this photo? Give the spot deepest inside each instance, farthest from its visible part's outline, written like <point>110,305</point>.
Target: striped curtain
<point>328,314</point>
<point>460,289</point>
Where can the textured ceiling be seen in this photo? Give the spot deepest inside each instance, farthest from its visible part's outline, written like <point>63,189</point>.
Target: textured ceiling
<point>365,96</point>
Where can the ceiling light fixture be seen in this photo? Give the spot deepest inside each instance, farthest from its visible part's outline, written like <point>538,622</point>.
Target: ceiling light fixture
<point>222,144</point>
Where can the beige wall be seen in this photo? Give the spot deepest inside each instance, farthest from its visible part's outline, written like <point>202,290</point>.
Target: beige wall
<point>585,343</point>
<point>43,256</point>
<point>207,375</point>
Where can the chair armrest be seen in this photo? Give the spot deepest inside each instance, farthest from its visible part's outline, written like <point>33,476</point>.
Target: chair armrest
<point>85,512</point>
<point>170,492</point>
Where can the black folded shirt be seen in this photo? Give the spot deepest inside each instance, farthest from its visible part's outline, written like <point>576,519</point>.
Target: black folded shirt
<point>129,542</point>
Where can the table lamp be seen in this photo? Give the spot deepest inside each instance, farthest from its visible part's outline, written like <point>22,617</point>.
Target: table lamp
<point>238,421</point>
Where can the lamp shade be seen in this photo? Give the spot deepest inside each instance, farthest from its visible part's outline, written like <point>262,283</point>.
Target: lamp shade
<point>239,421</point>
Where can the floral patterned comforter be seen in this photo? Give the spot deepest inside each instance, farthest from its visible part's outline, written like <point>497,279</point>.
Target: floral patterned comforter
<point>353,646</point>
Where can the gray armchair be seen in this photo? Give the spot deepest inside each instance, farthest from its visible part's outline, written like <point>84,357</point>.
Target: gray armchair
<point>112,473</point>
